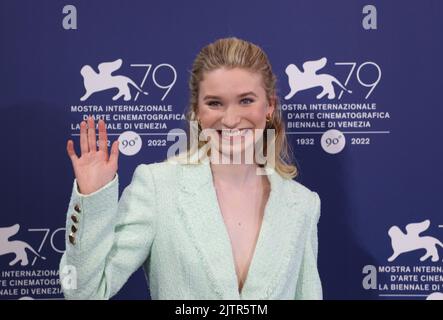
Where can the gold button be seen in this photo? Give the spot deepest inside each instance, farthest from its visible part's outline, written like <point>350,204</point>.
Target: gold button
<point>71,238</point>
<point>74,218</point>
<point>77,208</point>
<point>74,229</point>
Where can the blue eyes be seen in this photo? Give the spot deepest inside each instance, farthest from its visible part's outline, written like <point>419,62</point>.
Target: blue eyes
<point>247,99</point>
<point>217,103</point>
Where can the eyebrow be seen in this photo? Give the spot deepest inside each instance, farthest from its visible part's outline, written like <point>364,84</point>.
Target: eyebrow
<point>240,95</point>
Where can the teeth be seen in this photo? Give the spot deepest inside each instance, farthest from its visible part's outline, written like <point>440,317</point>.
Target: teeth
<point>234,133</point>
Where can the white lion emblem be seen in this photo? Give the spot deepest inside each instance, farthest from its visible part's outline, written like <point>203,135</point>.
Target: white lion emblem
<point>104,80</point>
<point>17,247</point>
<point>412,240</point>
<point>299,81</point>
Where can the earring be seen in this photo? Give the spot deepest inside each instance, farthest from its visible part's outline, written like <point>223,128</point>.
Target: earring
<point>268,118</point>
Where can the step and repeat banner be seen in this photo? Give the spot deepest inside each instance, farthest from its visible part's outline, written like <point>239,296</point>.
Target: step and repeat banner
<point>359,84</point>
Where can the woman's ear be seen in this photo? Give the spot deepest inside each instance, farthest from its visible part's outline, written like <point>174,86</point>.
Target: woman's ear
<point>272,105</point>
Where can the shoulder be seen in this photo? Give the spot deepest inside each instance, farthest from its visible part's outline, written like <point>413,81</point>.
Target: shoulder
<point>298,190</point>
<point>172,173</point>
<point>303,197</point>
<point>159,171</point>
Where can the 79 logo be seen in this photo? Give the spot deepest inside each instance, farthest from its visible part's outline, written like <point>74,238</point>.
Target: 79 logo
<point>21,248</point>
<point>105,80</point>
<point>309,78</point>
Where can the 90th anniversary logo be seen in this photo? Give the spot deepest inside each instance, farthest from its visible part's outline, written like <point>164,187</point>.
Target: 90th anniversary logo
<point>327,112</point>
<point>126,115</point>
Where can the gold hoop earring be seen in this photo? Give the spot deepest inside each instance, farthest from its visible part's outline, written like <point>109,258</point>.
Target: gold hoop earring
<point>268,118</point>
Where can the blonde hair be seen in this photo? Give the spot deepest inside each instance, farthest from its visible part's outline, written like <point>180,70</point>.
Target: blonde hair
<point>236,53</point>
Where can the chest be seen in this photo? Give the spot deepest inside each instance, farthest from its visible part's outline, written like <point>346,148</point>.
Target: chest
<point>242,213</point>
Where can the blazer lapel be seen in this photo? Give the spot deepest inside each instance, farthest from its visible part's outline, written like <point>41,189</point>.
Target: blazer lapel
<point>280,236</point>
<point>203,219</point>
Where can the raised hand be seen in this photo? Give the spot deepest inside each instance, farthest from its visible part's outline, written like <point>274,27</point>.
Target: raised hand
<point>94,168</point>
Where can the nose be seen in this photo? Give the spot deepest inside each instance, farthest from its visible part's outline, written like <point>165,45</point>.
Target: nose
<point>231,118</point>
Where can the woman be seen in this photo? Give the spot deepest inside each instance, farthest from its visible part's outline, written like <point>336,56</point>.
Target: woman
<point>213,229</point>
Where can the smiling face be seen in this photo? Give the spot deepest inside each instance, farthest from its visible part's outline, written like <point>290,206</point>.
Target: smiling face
<point>234,103</point>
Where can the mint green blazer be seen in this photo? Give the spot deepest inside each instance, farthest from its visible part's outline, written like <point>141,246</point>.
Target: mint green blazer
<point>168,221</point>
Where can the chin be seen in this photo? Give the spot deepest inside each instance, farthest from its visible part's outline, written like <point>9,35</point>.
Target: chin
<point>237,146</point>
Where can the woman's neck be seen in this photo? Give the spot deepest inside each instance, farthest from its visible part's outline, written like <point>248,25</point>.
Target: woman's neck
<point>235,174</point>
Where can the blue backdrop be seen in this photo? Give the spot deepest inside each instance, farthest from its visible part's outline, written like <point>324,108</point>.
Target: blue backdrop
<point>373,155</point>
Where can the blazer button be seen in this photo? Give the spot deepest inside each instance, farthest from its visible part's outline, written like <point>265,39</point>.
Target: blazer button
<point>72,238</point>
<point>73,229</point>
<point>74,218</point>
<point>77,208</point>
